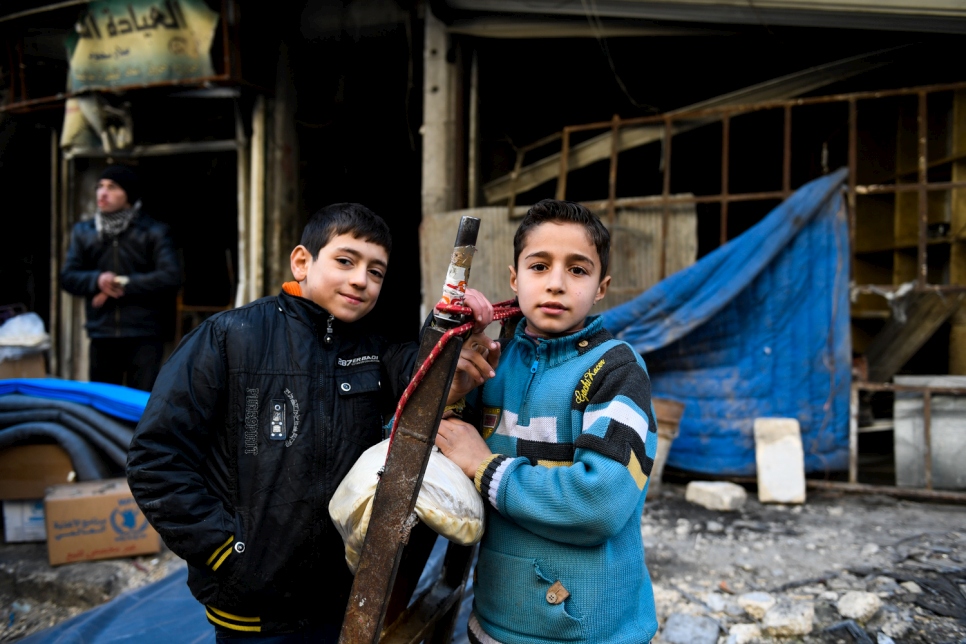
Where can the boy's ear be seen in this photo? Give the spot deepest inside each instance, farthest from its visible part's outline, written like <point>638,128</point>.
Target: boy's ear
<point>513,279</point>
<point>301,258</point>
<point>602,289</point>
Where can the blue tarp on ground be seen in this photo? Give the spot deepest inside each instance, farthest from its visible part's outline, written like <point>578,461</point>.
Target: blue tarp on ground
<point>121,402</point>
<point>757,328</point>
<point>165,612</point>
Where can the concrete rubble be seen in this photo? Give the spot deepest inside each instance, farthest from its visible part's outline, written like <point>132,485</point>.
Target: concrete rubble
<point>716,495</point>
<point>840,568</point>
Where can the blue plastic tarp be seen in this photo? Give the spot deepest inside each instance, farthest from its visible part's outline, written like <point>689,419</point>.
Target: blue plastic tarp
<point>758,328</point>
<point>121,402</point>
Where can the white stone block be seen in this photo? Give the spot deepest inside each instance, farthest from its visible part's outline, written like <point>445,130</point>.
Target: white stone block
<point>789,619</point>
<point>858,605</point>
<point>744,634</point>
<point>756,604</point>
<point>716,495</point>
<point>780,459</point>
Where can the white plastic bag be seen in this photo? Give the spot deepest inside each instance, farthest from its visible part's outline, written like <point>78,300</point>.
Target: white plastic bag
<point>448,501</point>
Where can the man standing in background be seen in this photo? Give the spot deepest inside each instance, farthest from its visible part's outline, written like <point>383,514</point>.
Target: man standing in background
<point>125,264</point>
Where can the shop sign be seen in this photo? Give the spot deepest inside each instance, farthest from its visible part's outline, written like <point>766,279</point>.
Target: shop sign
<point>124,43</point>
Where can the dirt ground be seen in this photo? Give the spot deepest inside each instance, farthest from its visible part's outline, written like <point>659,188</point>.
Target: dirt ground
<point>911,556</point>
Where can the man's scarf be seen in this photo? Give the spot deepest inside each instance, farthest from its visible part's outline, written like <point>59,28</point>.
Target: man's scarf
<point>112,224</point>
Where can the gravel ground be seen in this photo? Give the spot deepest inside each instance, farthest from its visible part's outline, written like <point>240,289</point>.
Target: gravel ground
<point>898,566</point>
<point>907,560</point>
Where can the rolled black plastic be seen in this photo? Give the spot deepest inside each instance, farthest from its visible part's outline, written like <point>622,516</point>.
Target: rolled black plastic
<point>87,465</point>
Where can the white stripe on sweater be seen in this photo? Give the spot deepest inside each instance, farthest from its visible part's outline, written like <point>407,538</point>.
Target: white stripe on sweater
<point>494,486</point>
<point>622,413</point>
<point>542,428</point>
<point>474,627</point>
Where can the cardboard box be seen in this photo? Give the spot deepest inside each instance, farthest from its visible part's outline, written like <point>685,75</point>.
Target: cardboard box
<point>96,520</point>
<point>26,471</point>
<point>31,365</point>
<point>23,521</point>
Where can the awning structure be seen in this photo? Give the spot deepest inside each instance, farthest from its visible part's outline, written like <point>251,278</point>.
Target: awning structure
<point>937,16</point>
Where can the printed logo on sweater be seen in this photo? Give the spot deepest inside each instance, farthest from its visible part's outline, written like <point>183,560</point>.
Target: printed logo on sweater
<point>491,416</point>
<point>580,395</point>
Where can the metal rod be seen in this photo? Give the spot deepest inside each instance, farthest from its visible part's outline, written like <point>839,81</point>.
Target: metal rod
<point>853,169</point>
<point>612,178</point>
<point>787,152</point>
<point>564,164</point>
<point>908,187</point>
<point>902,492</point>
<point>736,110</point>
<point>922,120</point>
<point>854,436</point>
<point>927,434</point>
<point>666,196</point>
<point>725,153</point>
<point>888,386</point>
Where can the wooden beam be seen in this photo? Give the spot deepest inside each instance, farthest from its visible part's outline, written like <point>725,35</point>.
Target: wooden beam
<point>899,341</point>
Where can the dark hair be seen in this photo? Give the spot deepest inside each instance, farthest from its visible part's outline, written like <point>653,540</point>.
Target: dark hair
<point>344,218</point>
<point>551,210</point>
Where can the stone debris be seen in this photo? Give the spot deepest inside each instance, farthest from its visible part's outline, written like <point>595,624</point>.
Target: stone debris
<point>744,634</point>
<point>788,619</point>
<point>858,605</point>
<point>681,628</point>
<point>756,604</point>
<point>707,563</point>
<point>779,460</point>
<point>716,495</point>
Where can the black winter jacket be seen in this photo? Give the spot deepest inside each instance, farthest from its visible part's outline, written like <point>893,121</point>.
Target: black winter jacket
<point>252,424</point>
<point>145,253</point>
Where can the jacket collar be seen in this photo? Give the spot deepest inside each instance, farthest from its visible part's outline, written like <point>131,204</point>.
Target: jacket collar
<point>559,350</point>
<point>311,313</point>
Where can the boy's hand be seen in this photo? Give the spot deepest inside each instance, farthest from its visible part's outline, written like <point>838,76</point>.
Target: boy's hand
<point>478,359</point>
<point>482,309</point>
<point>461,443</point>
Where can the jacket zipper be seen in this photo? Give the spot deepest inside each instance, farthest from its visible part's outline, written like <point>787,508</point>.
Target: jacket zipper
<point>323,450</point>
<point>117,309</point>
<point>534,366</point>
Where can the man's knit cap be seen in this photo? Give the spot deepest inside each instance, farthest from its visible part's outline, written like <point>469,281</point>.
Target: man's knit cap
<point>126,178</point>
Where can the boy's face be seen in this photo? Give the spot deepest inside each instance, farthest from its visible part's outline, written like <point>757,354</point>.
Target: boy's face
<point>557,279</point>
<point>345,278</point>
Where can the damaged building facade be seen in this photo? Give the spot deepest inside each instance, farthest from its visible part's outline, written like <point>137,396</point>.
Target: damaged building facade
<point>682,123</point>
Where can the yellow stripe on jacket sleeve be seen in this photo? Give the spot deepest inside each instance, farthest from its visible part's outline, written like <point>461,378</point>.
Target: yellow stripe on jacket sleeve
<point>218,550</point>
<point>233,622</point>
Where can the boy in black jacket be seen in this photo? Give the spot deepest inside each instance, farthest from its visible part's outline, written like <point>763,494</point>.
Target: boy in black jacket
<point>253,423</point>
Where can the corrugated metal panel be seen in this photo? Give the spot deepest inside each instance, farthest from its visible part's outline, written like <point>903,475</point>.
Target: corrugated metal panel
<point>945,16</point>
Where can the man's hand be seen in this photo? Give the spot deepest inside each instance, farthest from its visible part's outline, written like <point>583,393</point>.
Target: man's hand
<point>106,281</point>
<point>482,309</point>
<point>99,300</point>
<point>461,443</point>
<point>477,364</point>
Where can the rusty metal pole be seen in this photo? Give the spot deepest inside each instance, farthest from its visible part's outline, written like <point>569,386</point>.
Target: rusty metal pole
<point>927,434</point>
<point>725,153</point>
<point>923,202</point>
<point>392,517</point>
<point>564,164</point>
<point>666,195</point>
<point>853,169</point>
<point>787,153</point>
<point>612,178</point>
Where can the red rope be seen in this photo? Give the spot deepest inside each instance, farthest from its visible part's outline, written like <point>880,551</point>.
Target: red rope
<point>501,311</point>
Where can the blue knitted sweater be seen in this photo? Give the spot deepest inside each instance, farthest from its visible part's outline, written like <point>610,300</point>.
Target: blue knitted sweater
<point>573,432</point>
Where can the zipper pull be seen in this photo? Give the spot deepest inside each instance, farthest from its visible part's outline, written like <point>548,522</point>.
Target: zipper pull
<point>533,367</point>
<point>328,330</point>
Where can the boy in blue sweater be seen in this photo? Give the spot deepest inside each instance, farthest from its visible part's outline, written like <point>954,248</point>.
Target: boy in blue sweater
<point>568,438</point>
